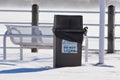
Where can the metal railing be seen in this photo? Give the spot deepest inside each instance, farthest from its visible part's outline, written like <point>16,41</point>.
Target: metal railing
<point>51,24</point>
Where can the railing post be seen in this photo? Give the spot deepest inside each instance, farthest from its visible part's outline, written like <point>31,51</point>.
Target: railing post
<point>4,46</point>
<point>111,21</point>
<point>34,22</point>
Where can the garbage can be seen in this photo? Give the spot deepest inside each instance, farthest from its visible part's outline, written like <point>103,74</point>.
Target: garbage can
<point>68,37</point>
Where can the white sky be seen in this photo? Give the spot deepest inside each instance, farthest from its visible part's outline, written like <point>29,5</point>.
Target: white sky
<point>57,3</point>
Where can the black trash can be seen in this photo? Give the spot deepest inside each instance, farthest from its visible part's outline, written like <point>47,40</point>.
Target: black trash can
<point>68,37</point>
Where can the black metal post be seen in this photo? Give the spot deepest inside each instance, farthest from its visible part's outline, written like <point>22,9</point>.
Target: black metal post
<point>35,21</point>
<point>111,22</point>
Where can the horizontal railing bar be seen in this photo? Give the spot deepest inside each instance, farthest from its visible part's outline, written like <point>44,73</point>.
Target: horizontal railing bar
<point>93,37</point>
<point>15,10</point>
<point>51,11</point>
<point>67,11</point>
<point>49,23</point>
<point>93,24</point>
<point>44,23</point>
<point>11,47</point>
<point>15,22</point>
<point>24,23</point>
<point>117,25</point>
<point>52,36</point>
<point>56,11</point>
<point>83,49</point>
<point>104,37</point>
<point>117,12</point>
<point>26,48</point>
<point>29,35</point>
<point>30,26</point>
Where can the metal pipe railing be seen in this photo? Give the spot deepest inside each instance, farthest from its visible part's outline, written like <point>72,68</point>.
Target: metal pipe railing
<point>56,11</point>
<point>51,24</point>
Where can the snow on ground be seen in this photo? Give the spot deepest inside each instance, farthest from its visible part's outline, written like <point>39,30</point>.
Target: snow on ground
<point>39,66</point>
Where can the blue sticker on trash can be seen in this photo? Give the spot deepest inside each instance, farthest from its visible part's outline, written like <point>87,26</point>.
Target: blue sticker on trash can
<point>69,47</point>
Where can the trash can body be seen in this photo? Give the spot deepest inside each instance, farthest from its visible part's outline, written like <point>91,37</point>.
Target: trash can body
<point>68,37</point>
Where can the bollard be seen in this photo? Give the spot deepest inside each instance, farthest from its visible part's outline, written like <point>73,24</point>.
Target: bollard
<point>111,22</point>
<point>35,21</point>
